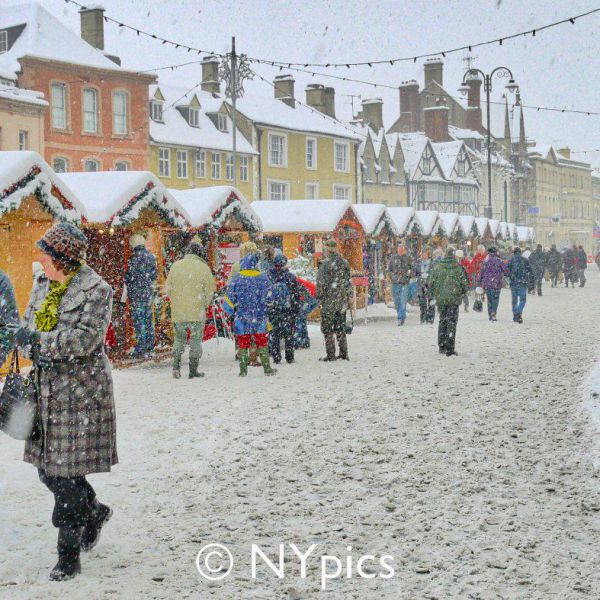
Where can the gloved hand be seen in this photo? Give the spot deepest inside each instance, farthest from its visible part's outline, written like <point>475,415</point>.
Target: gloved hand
<point>26,337</point>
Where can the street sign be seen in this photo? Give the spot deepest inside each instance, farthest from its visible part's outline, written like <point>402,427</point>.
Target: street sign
<point>533,210</point>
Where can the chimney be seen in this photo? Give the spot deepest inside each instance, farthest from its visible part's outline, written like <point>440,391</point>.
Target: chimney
<point>329,101</point>
<point>436,123</point>
<point>315,96</point>
<point>284,89</point>
<point>566,152</point>
<point>473,120</point>
<point>372,113</point>
<point>92,26</point>
<point>434,71</point>
<point>210,75</point>
<point>409,106</point>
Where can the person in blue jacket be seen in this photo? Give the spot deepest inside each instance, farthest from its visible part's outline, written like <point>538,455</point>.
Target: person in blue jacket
<point>9,316</point>
<point>248,297</point>
<point>140,280</point>
<point>519,271</point>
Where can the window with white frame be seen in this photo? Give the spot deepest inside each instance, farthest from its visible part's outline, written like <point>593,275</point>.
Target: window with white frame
<point>91,165</point>
<point>311,191</point>
<point>121,165</point>
<point>58,98</point>
<point>120,113</point>
<point>23,140</point>
<point>194,117</point>
<point>3,41</point>
<point>279,190</point>
<point>277,150</point>
<point>215,165</point>
<point>229,167</point>
<point>244,168</point>
<point>60,164</point>
<point>164,162</point>
<point>311,153</point>
<point>200,163</point>
<point>427,162</point>
<point>342,155</point>
<point>341,192</point>
<point>182,164</point>
<point>222,122</point>
<point>90,110</point>
<point>156,111</point>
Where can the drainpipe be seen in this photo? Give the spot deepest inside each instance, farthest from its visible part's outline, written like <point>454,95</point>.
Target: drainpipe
<point>259,138</point>
<point>356,178</point>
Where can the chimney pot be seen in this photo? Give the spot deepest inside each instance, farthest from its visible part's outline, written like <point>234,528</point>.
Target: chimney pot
<point>210,75</point>
<point>92,26</point>
<point>372,113</point>
<point>434,71</point>
<point>284,89</point>
<point>565,152</point>
<point>436,123</point>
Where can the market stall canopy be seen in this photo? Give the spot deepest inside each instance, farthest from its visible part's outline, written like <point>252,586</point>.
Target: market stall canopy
<point>300,216</point>
<point>23,174</point>
<point>495,228</point>
<point>427,221</point>
<point>512,230</point>
<point>504,230</point>
<point>449,223</point>
<point>371,216</point>
<point>211,206</point>
<point>467,222</point>
<point>523,233</point>
<point>401,217</point>
<point>483,226</point>
<point>116,198</point>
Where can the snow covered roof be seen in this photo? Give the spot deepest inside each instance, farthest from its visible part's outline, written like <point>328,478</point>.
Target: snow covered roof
<point>482,224</point>
<point>413,151</point>
<point>117,197</point>
<point>369,215</point>
<point>45,36</point>
<point>213,205</point>
<point>449,222</point>
<point>25,173</point>
<point>524,234</point>
<point>270,111</point>
<point>447,154</point>
<point>512,230</point>
<point>300,216</point>
<point>428,221</point>
<point>401,217</point>
<point>176,130</point>
<point>466,222</point>
<point>24,96</point>
<point>464,134</point>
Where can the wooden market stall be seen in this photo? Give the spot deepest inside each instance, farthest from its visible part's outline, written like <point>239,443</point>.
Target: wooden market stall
<point>117,205</point>
<point>469,228</point>
<point>484,231</point>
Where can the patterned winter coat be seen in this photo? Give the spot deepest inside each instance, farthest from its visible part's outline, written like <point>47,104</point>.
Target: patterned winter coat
<point>76,392</point>
<point>448,282</point>
<point>283,318</point>
<point>334,285</point>
<point>140,276</point>
<point>492,272</point>
<point>9,315</point>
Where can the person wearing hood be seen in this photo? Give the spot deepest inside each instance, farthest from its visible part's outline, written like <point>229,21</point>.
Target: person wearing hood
<point>283,310</point>
<point>537,260</point>
<point>570,266</point>
<point>519,271</point>
<point>491,278</point>
<point>449,283</point>
<point>581,265</point>
<point>9,315</point>
<point>190,286</point>
<point>248,297</point>
<point>554,264</point>
<point>140,281</point>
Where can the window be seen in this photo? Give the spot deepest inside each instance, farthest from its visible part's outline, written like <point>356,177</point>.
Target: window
<point>120,113</point>
<point>311,153</point>
<point>342,151</point>
<point>90,110</point>
<point>244,171</point>
<point>60,164</point>
<point>229,167</point>
<point>121,165</point>
<point>279,190</point>
<point>216,165</point>
<point>58,98</point>
<point>277,150</point>
<point>156,111</point>
<point>91,165</point>
<point>312,191</point>
<point>200,163</point>
<point>427,162</point>
<point>182,164</point>
<point>222,122</point>
<point>23,140</point>
<point>341,192</point>
<point>164,162</point>
<point>3,41</point>
<point>194,117</point>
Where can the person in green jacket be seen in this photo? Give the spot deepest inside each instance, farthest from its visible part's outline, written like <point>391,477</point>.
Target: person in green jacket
<point>448,283</point>
<point>190,286</point>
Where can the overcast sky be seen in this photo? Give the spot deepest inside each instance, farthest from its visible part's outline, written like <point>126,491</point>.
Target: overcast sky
<point>558,68</point>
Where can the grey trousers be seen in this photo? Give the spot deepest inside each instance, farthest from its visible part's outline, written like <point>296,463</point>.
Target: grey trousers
<point>196,329</point>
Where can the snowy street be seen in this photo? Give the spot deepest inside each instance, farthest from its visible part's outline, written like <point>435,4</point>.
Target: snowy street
<point>474,472</point>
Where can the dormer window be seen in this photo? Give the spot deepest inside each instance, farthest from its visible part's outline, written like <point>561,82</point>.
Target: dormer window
<point>194,117</point>
<point>222,122</point>
<point>3,41</point>
<point>156,111</point>
<point>427,167</point>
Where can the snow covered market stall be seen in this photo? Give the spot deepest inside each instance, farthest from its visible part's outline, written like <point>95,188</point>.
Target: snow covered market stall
<point>118,205</point>
<point>224,220</point>
<point>32,196</point>
<point>299,227</point>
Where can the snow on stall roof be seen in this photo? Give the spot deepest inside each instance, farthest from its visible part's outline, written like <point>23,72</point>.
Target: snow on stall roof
<point>201,204</point>
<point>512,229</point>
<point>104,195</point>
<point>369,215</point>
<point>482,223</point>
<point>428,221</point>
<point>466,222</point>
<point>301,216</point>
<point>449,222</point>
<point>45,36</point>
<point>401,216</point>
<point>22,95</point>
<point>495,227</point>
<point>15,166</point>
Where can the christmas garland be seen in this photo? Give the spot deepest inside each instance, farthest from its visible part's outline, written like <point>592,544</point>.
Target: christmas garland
<point>232,206</point>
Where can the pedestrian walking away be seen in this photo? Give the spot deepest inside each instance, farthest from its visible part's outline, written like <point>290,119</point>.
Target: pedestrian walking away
<point>448,283</point>
<point>426,301</point>
<point>491,279</point>
<point>554,263</point>
<point>400,270</point>
<point>570,266</point>
<point>190,287</point>
<point>538,260</point>
<point>519,272</point>
<point>581,265</point>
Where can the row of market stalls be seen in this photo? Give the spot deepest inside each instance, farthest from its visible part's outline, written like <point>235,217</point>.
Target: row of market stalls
<point>112,206</point>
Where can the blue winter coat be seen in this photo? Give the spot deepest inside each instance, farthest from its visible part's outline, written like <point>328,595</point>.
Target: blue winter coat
<point>282,316</point>
<point>141,276</point>
<point>248,296</point>
<point>519,271</point>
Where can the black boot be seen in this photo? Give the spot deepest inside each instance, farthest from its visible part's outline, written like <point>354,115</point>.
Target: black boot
<point>99,516</point>
<point>68,565</point>
<point>194,369</point>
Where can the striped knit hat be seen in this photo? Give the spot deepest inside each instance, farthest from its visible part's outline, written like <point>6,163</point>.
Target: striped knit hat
<point>65,242</point>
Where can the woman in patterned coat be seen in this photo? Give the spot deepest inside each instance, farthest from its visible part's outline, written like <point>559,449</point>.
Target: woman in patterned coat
<point>66,331</point>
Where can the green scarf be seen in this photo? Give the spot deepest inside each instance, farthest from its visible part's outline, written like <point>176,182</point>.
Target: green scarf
<point>46,318</point>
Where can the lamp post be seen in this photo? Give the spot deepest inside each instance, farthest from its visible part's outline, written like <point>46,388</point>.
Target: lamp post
<point>511,86</point>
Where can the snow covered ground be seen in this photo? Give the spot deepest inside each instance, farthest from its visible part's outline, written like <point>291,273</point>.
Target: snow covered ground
<point>474,472</point>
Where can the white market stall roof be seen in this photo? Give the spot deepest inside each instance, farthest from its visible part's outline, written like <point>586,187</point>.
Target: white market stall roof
<point>117,197</point>
<point>466,222</point>
<point>427,221</point>
<point>449,222</point>
<point>211,206</point>
<point>512,230</point>
<point>370,216</point>
<point>504,230</point>
<point>495,227</point>
<point>300,216</point>
<point>25,173</point>
<point>523,233</point>
<point>401,217</point>
<point>482,224</point>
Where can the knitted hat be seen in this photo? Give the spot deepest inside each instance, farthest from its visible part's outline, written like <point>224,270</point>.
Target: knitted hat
<point>65,242</point>
<point>248,248</point>
<point>137,240</point>
<point>280,260</point>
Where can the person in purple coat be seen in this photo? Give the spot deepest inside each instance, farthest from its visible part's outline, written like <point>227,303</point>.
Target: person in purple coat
<point>491,278</point>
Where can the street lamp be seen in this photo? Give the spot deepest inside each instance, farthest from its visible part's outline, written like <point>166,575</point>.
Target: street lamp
<point>511,86</point>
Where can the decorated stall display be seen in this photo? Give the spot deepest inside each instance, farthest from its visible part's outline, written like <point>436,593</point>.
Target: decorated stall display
<point>484,231</point>
<point>31,197</point>
<point>118,206</point>
<point>223,219</point>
